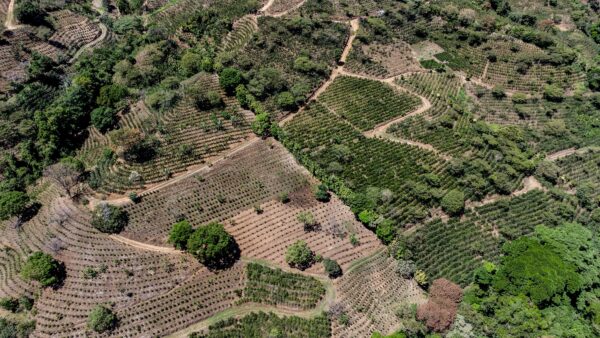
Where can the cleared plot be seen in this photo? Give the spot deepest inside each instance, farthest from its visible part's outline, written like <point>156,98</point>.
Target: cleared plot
<point>264,324</point>
<point>382,60</point>
<point>370,294</point>
<point>276,287</point>
<point>278,226</point>
<point>125,276</point>
<point>73,31</point>
<point>453,250</point>
<point>257,174</point>
<point>367,103</point>
<point>240,35</point>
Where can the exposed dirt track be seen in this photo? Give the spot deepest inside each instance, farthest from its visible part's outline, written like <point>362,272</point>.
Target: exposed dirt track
<point>560,154</point>
<point>10,22</point>
<point>144,246</point>
<point>529,183</point>
<point>100,38</point>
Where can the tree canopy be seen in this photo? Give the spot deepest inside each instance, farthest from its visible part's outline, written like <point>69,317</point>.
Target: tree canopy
<point>109,218</point>
<point>213,246</point>
<point>43,268</point>
<point>180,234</point>
<point>299,255</point>
<point>102,319</point>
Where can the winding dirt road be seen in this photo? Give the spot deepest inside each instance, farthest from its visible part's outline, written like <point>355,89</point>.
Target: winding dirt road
<point>11,22</point>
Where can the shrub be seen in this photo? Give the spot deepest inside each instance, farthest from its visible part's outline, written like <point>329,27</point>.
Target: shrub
<point>308,220</point>
<point>213,246</point>
<point>43,268</point>
<point>103,118</point>
<point>386,231</point>
<point>322,194</point>
<point>111,95</point>
<point>109,218</point>
<point>286,100</point>
<point>553,93</point>
<point>12,203</point>
<point>299,255</point>
<point>519,98</point>
<point>368,217</point>
<point>180,234</point>
<point>421,278</point>
<point>102,319</point>
<point>229,79</point>
<point>453,202</point>
<point>332,268</point>
<point>498,92</point>
<point>261,125</point>
<point>9,304</point>
<point>593,78</point>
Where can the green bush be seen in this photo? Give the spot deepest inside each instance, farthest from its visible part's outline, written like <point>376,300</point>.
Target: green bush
<point>332,268</point>
<point>553,93</point>
<point>213,246</point>
<point>29,12</point>
<point>229,79</point>
<point>261,125</point>
<point>102,319</point>
<point>299,255</point>
<point>285,100</point>
<point>43,268</point>
<point>453,202</point>
<point>12,203</point>
<point>322,194</point>
<point>109,218</point>
<point>180,234</point>
<point>104,118</point>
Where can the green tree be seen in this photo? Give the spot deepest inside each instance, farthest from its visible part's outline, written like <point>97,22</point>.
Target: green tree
<point>532,269</point>
<point>299,255</point>
<point>332,268</point>
<point>322,193</point>
<point>553,93</point>
<point>453,202</point>
<point>43,268</point>
<point>261,125</point>
<point>213,246</point>
<point>593,78</point>
<point>104,118</point>
<point>180,234</point>
<point>111,95</point>
<point>109,218</point>
<point>229,79</point>
<point>386,231</point>
<point>285,100</point>
<point>30,12</point>
<point>102,319</point>
<point>12,203</point>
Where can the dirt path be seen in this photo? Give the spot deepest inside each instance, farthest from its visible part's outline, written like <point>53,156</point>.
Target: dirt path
<point>266,6</point>
<point>354,26</point>
<point>145,246</point>
<point>100,38</point>
<point>560,154</point>
<point>485,69</point>
<point>11,22</point>
<point>529,183</point>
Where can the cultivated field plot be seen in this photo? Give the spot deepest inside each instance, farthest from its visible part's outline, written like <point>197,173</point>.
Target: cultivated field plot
<point>188,137</point>
<point>278,225</point>
<point>259,173</point>
<point>126,276</point>
<point>382,60</point>
<point>366,103</point>
<point>453,250</point>
<point>370,294</point>
<point>581,172</point>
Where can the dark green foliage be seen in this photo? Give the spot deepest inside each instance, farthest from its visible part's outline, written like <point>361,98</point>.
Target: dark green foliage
<point>180,234</point>
<point>269,325</point>
<point>332,268</point>
<point>229,79</point>
<point>274,286</point>
<point>109,218</point>
<point>261,125</point>
<point>593,78</point>
<point>213,246</point>
<point>385,231</point>
<point>12,203</point>
<point>532,269</point>
<point>102,319</point>
<point>12,329</point>
<point>43,268</point>
<point>299,255</point>
<point>111,95</point>
<point>104,118</point>
<point>30,12</point>
<point>286,100</point>
<point>322,193</point>
<point>453,202</point>
<point>553,93</point>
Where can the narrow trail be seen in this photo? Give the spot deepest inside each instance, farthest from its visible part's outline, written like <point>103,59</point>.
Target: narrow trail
<point>145,246</point>
<point>485,69</point>
<point>11,22</point>
<point>560,154</point>
<point>100,38</point>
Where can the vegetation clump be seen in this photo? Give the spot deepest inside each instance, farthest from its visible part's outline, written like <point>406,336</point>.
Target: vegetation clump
<point>109,218</point>
<point>102,319</point>
<point>180,234</point>
<point>299,255</point>
<point>44,269</point>
<point>213,246</point>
